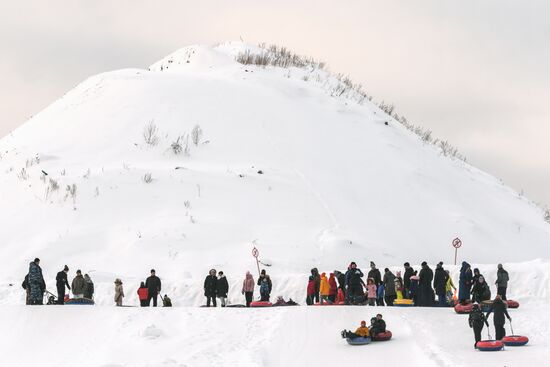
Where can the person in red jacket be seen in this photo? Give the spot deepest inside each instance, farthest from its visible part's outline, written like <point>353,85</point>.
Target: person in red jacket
<point>333,288</point>
<point>143,294</point>
<point>311,290</point>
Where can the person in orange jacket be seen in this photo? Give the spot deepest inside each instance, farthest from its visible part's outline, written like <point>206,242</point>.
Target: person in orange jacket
<point>143,294</point>
<point>361,332</point>
<point>333,288</point>
<point>324,289</point>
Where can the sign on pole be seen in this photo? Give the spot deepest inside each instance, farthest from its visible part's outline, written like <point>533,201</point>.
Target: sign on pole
<point>256,253</point>
<point>456,244</point>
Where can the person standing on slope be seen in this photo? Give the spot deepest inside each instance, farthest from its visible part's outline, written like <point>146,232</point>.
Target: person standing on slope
<point>449,287</point>
<point>465,282</point>
<point>248,288</point>
<point>502,282</point>
<point>371,292</point>
<point>317,279</point>
<point>61,282</point>
<point>399,289</point>
<point>333,288</point>
<point>425,284</point>
<point>264,281</point>
<point>341,281</point>
<point>409,272</point>
<point>210,287</point>
<point>324,289</point>
<point>27,289</point>
<point>440,282</point>
<point>143,295</point>
<point>389,287</point>
<point>36,283</point>
<point>477,274</point>
<point>222,288</point>
<point>499,309</point>
<point>374,273</point>
<point>89,291</point>
<point>310,291</point>
<point>354,284</point>
<point>413,290</point>
<point>78,285</point>
<point>119,292</point>
<point>153,285</point>
<point>476,321</point>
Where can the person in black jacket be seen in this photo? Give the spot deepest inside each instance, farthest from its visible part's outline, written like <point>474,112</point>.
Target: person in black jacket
<point>377,325</point>
<point>317,279</point>
<point>409,272</point>
<point>153,285</point>
<point>440,281</point>
<point>477,274</point>
<point>425,285</point>
<point>354,284</point>
<point>481,291</point>
<point>222,288</point>
<point>499,309</point>
<point>341,278</point>
<point>61,282</point>
<point>375,274</point>
<point>27,289</point>
<point>211,287</point>
<point>476,321</point>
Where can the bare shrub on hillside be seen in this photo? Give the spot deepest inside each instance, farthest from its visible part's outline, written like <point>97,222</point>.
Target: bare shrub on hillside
<point>547,215</point>
<point>147,178</point>
<point>181,145</point>
<point>70,191</point>
<point>196,134</point>
<point>150,133</point>
<point>274,55</point>
<point>23,175</point>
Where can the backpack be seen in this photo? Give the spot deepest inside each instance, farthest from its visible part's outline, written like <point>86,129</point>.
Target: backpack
<point>264,287</point>
<point>166,302</point>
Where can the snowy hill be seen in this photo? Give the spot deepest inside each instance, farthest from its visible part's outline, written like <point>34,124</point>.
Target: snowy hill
<point>336,183</point>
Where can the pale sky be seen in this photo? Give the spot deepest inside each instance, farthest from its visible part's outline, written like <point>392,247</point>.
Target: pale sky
<point>476,73</point>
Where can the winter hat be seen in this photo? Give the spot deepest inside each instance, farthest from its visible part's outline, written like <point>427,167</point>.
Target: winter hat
<point>153,271</point>
<point>386,270</point>
<point>65,268</point>
<point>324,275</point>
<point>363,323</point>
<point>424,263</point>
<point>352,263</point>
<point>118,281</point>
<point>36,260</point>
<point>220,272</point>
<point>79,272</point>
<point>406,264</point>
<point>499,266</point>
<point>372,264</point>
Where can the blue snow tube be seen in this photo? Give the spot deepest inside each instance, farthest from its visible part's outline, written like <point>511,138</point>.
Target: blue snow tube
<point>489,345</point>
<point>80,301</point>
<point>358,341</point>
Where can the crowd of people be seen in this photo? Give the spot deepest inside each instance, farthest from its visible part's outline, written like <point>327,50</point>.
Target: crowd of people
<point>349,287</point>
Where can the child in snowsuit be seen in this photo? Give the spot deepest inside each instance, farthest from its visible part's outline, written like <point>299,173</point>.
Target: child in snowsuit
<point>324,289</point>
<point>248,288</point>
<point>449,287</point>
<point>399,285</point>
<point>499,309</point>
<point>361,332</point>
<point>371,292</point>
<point>333,288</point>
<point>476,321</point>
<point>310,291</point>
<point>414,288</point>
<point>119,292</point>
<point>143,295</point>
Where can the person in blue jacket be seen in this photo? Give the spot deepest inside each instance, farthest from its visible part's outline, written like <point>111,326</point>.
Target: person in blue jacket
<point>465,282</point>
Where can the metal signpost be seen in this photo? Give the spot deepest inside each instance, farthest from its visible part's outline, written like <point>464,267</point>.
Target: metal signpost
<point>256,253</point>
<point>456,244</point>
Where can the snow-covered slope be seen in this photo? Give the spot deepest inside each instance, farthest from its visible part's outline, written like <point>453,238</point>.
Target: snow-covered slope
<point>337,184</point>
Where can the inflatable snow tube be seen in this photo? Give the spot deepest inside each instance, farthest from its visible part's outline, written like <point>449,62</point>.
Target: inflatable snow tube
<point>462,309</point>
<point>486,306</point>
<point>261,304</point>
<point>358,341</point>
<point>380,337</point>
<point>403,302</point>
<point>515,340</point>
<point>341,303</point>
<point>512,303</point>
<point>80,301</point>
<point>326,304</point>
<point>489,345</point>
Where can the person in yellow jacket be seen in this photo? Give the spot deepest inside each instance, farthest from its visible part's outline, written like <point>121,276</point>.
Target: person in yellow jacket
<point>361,332</point>
<point>449,287</point>
<point>324,289</point>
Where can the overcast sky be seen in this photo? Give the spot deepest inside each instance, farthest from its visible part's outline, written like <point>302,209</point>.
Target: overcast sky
<point>476,73</point>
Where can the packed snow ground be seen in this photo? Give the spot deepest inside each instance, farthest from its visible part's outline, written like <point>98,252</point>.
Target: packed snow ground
<point>59,336</point>
<point>337,185</point>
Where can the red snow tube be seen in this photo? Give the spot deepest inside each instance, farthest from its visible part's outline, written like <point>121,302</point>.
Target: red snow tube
<point>380,337</point>
<point>261,304</point>
<point>489,345</point>
<point>328,304</point>
<point>467,308</point>
<point>512,304</point>
<point>515,340</point>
